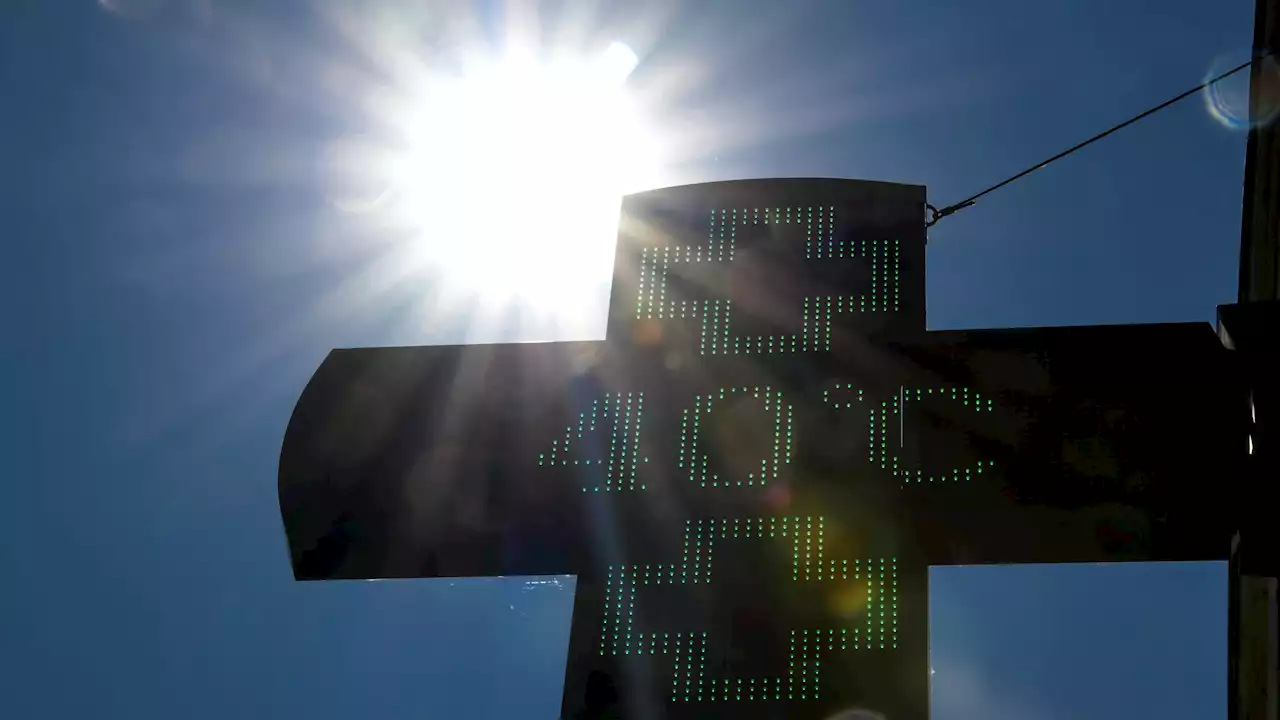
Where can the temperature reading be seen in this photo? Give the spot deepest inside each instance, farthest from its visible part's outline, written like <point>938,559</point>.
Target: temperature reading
<point>744,436</point>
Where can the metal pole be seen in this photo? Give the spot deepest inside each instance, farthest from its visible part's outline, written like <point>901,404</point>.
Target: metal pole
<point>1252,670</point>
<point>1260,231</point>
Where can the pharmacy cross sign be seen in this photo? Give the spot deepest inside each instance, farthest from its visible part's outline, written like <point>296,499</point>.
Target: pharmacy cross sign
<point>750,476</point>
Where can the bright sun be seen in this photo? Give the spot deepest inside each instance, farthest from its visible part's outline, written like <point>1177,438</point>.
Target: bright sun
<point>514,174</point>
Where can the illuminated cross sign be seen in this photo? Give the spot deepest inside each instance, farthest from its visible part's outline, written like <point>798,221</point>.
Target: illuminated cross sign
<point>752,474</point>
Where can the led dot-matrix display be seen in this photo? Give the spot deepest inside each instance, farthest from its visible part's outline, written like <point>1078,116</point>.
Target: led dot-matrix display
<point>779,414</point>
<point>884,432</point>
<point>842,395</point>
<point>714,315</point>
<point>875,628</point>
<point>881,435</point>
<point>617,416</point>
<point>611,428</point>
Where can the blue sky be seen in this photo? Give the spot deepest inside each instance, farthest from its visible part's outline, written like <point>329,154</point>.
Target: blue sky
<point>173,273</point>
<point>1043,642</point>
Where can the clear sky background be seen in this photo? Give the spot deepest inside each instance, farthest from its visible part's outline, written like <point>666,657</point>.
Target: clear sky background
<point>174,269</point>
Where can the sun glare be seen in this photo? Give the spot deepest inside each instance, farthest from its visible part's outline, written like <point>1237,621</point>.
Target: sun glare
<point>514,174</point>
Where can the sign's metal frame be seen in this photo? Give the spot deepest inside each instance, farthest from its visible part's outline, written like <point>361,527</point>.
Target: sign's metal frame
<point>625,461</point>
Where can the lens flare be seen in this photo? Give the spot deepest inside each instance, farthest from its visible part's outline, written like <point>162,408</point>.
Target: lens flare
<point>850,599</point>
<point>1228,100</point>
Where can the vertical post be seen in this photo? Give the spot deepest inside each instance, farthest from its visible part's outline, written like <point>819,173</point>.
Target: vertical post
<point>1235,689</point>
<point>1260,232</point>
<point>1255,648</point>
<point>1251,332</point>
<point>1252,669</point>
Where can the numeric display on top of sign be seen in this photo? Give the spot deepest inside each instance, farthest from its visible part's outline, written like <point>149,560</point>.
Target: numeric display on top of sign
<point>655,302</point>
